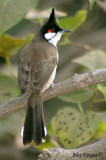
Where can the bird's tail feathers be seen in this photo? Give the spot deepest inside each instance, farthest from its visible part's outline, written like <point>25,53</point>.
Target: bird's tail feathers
<point>39,132</point>
<point>28,126</point>
<point>34,126</point>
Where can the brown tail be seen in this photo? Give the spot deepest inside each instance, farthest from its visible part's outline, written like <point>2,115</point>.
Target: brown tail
<point>34,123</point>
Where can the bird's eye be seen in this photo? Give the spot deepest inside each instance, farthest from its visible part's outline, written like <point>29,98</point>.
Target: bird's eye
<point>51,30</point>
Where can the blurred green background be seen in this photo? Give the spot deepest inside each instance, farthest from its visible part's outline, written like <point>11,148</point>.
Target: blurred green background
<point>81,51</point>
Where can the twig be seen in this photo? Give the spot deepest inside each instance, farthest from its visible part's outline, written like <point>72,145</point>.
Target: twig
<point>93,100</point>
<point>72,84</point>
<point>81,46</point>
<point>96,151</point>
<point>80,108</point>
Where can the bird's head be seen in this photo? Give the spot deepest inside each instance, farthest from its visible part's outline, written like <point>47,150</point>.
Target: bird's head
<point>51,31</point>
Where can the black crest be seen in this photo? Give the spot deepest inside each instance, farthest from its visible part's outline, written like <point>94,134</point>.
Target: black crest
<point>50,24</point>
<point>52,18</point>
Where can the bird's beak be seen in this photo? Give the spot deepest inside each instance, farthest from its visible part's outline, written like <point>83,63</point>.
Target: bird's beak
<point>65,30</point>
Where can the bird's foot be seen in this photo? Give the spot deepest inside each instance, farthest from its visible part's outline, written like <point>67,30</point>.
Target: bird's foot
<point>51,86</point>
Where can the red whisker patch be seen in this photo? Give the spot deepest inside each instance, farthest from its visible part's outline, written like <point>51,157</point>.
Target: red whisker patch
<point>50,31</point>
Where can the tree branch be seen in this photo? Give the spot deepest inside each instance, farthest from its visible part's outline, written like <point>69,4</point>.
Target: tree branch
<point>72,84</point>
<point>96,151</point>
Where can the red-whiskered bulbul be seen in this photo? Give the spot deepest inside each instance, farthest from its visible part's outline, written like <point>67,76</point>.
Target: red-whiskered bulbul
<point>36,72</point>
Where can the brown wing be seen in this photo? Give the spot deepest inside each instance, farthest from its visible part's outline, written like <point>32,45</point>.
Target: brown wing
<point>24,78</point>
<point>42,72</point>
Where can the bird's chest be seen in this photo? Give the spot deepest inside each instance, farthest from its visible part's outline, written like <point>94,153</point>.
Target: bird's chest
<point>51,79</point>
<point>52,76</point>
<point>57,55</point>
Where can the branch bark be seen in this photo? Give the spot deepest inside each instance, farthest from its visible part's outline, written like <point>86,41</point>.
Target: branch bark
<point>72,84</point>
<point>96,151</point>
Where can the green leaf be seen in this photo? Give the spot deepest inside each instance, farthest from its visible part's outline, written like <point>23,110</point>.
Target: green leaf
<point>78,96</point>
<point>73,23</point>
<point>101,133</point>
<point>102,116</point>
<point>102,88</point>
<point>11,12</point>
<point>91,2</point>
<point>73,128</point>
<point>28,39</point>
<point>9,45</point>
<point>47,144</point>
<point>8,88</point>
<point>49,129</point>
<point>93,60</point>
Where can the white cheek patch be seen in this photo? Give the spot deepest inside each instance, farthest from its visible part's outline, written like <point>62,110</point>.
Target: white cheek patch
<point>49,35</point>
<point>55,39</point>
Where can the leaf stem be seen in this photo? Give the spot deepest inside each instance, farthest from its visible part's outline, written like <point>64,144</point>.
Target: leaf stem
<point>10,67</point>
<point>80,108</point>
<point>93,100</point>
<point>81,46</point>
<point>100,100</point>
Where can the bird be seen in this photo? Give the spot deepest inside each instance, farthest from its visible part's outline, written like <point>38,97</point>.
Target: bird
<point>36,73</point>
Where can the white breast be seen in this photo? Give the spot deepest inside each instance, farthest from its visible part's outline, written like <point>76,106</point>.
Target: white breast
<point>54,40</point>
<point>51,79</point>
